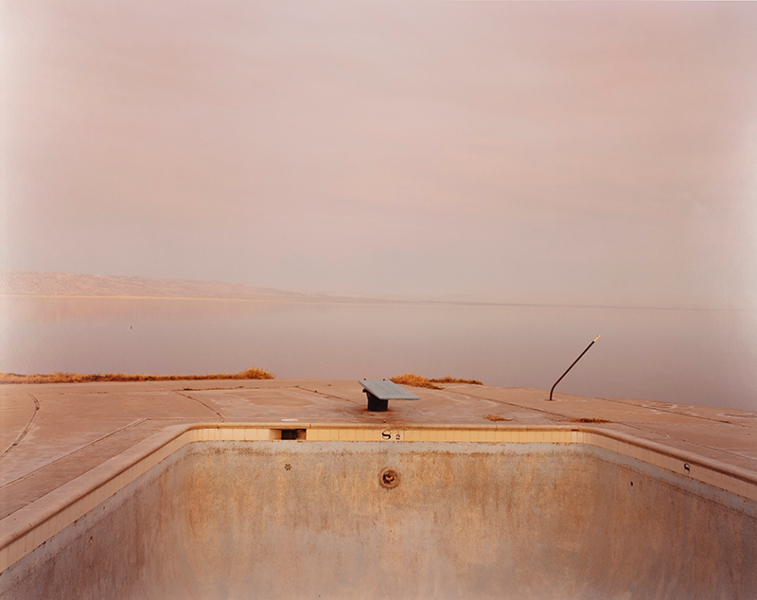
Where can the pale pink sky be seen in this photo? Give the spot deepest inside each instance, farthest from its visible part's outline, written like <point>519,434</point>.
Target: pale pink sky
<point>593,153</point>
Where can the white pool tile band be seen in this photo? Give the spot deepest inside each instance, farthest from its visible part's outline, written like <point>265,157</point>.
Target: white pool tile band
<point>30,526</point>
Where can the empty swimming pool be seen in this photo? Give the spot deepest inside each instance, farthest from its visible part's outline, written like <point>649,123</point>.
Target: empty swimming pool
<point>366,519</point>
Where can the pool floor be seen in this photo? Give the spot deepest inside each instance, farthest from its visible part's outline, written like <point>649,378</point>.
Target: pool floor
<point>293,519</point>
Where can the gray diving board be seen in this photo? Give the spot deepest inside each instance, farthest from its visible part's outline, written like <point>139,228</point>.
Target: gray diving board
<point>380,391</point>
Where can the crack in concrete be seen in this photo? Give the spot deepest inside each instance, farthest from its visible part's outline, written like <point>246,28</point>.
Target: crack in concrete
<point>26,430</point>
<point>210,408</point>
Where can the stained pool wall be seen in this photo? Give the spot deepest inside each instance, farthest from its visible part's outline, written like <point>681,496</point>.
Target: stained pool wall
<point>307,519</point>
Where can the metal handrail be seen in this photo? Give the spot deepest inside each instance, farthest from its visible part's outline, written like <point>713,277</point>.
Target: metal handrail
<point>571,366</point>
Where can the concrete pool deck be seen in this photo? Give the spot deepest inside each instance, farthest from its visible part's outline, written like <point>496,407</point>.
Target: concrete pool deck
<point>53,435</point>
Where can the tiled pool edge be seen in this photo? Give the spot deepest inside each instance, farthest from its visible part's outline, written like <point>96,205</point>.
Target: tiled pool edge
<point>32,525</point>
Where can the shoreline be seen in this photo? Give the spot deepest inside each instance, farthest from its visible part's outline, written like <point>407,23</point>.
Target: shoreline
<point>368,301</point>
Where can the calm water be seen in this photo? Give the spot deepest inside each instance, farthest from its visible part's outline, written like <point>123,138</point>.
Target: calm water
<point>688,356</point>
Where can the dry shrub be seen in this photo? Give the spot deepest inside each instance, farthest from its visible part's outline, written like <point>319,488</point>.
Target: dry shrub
<point>78,378</point>
<point>455,380</point>
<point>414,380</point>
<point>585,420</point>
<point>496,418</point>
<point>420,381</point>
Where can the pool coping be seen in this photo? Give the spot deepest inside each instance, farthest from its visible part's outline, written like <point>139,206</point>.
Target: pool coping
<point>32,525</point>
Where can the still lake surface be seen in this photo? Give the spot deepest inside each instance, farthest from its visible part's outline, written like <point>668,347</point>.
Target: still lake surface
<point>705,357</point>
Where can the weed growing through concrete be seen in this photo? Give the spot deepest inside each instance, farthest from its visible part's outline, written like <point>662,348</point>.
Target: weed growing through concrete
<point>455,380</point>
<point>420,381</point>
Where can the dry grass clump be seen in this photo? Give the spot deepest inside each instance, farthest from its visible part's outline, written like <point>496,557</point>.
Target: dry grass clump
<point>77,378</point>
<point>455,380</point>
<point>496,418</point>
<point>414,380</point>
<point>585,420</point>
<point>420,381</point>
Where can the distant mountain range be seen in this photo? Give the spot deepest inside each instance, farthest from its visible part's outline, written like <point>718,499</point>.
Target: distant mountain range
<point>44,283</point>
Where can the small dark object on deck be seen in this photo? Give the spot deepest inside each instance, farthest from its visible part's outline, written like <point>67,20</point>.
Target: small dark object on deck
<point>380,391</point>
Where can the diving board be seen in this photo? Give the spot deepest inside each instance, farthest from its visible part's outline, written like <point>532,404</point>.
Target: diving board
<point>380,391</point>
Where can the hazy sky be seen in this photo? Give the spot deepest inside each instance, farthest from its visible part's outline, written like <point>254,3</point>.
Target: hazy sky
<point>595,153</point>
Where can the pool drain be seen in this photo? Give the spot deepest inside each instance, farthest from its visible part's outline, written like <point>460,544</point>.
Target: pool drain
<point>389,478</point>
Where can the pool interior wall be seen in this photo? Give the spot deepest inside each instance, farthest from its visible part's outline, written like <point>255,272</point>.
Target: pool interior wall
<point>293,519</point>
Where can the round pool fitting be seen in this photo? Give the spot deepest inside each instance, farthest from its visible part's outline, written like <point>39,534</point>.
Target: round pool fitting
<point>390,478</point>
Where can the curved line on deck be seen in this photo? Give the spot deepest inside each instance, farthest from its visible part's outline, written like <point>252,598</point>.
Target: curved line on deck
<point>324,394</point>
<point>69,454</point>
<point>210,408</point>
<point>28,427</point>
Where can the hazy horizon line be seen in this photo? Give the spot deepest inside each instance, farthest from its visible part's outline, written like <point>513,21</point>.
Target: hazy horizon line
<point>315,297</point>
